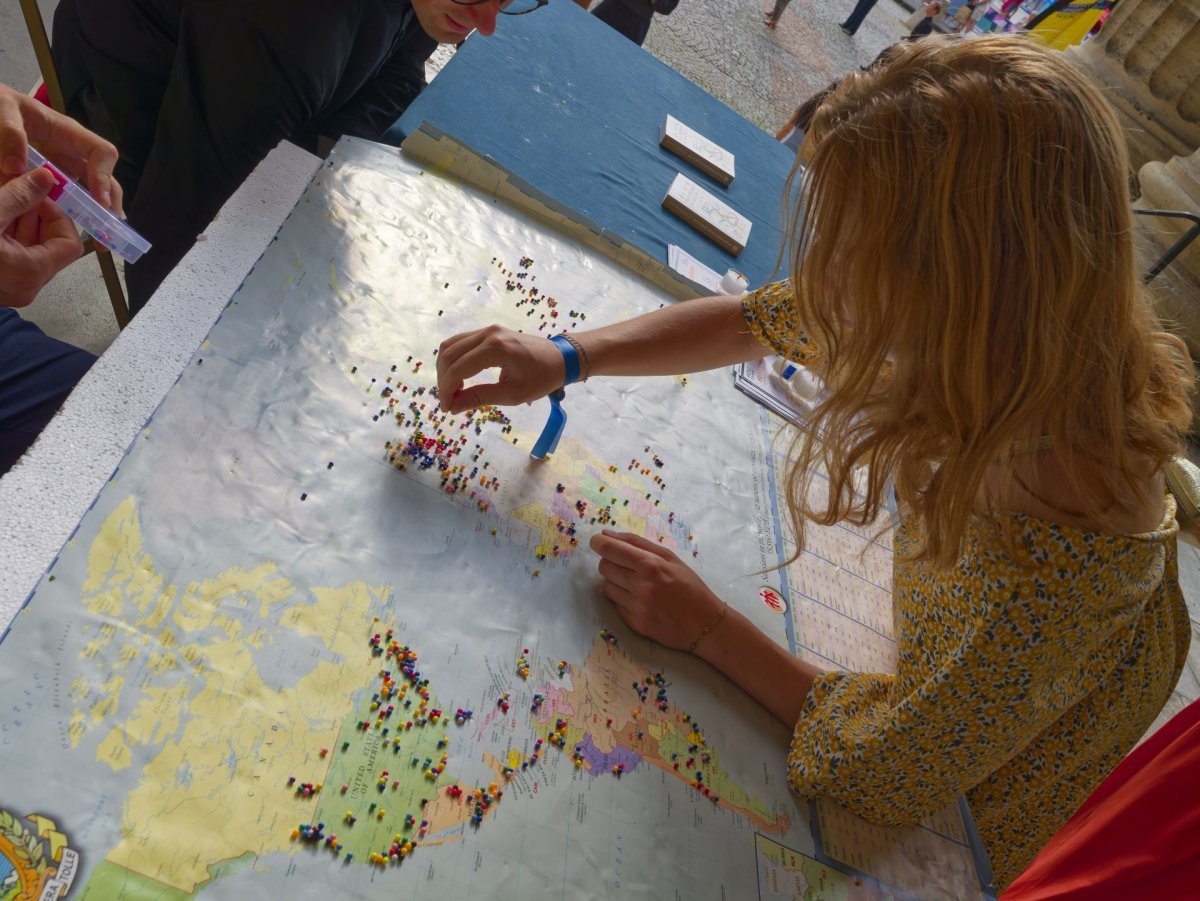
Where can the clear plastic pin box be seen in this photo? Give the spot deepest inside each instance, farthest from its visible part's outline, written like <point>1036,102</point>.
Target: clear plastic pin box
<point>74,200</point>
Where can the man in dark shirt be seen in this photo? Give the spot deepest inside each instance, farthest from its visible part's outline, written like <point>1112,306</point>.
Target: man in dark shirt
<point>194,93</point>
<point>632,17</point>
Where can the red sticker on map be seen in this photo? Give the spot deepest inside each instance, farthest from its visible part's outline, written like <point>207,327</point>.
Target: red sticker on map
<point>773,599</point>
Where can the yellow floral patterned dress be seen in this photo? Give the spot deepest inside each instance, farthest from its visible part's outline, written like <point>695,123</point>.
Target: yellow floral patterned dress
<point>1025,672</point>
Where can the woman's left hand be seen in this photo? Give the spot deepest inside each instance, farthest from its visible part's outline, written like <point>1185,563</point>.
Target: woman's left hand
<point>656,594</point>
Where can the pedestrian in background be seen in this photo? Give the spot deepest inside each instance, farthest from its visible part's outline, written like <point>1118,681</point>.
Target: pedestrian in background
<point>966,15</point>
<point>632,17</point>
<point>772,17</point>
<point>855,19</point>
<point>933,9</point>
<point>792,132</point>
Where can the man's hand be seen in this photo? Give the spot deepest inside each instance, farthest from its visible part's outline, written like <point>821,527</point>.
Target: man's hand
<point>84,156</point>
<point>656,593</point>
<point>530,367</point>
<point>37,240</point>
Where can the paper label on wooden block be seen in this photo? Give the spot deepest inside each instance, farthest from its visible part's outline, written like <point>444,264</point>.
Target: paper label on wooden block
<point>680,139</point>
<point>691,268</point>
<point>692,200</point>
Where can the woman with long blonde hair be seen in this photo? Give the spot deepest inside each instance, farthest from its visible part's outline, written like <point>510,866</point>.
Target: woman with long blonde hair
<point>963,275</point>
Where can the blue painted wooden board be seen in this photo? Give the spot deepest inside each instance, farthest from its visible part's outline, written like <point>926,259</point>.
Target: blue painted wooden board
<point>566,104</point>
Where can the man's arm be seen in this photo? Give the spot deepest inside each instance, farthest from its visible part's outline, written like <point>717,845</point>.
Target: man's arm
<point>219,119</point>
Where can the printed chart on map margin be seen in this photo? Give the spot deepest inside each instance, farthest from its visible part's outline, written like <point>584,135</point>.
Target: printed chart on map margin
<point>840,593</point>
<point>787,875</point>
<point>906,856</point>
<point>840,587</point>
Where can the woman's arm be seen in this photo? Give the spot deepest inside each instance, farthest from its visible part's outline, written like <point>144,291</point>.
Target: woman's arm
<point>685,337</point>
<point>759,666</point>
<point>658,595</point>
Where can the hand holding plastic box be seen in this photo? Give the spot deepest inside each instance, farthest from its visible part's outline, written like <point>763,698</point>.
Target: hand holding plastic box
<point>74,200</point>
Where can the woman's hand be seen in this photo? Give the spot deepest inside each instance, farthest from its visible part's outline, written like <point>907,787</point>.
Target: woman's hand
<point>530,367</point>
<point>656,593</point>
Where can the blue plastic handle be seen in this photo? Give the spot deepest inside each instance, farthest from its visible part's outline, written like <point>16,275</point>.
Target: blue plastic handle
<point>555,423</point>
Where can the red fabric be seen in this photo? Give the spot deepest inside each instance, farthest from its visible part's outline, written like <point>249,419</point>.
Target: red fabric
<point>1138,835</point>
<point>41,95</point>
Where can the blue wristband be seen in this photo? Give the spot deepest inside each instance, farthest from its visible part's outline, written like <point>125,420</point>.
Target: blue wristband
<point>570,359</point>
<point>547,442</point>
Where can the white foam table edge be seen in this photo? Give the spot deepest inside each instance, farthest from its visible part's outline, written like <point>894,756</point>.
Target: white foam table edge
<point>45,495</point>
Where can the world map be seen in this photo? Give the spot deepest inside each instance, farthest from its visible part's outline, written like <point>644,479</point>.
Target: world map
<point>316,637</point>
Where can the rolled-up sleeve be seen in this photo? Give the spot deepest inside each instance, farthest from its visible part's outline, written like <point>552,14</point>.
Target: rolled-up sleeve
<point>770,315</point>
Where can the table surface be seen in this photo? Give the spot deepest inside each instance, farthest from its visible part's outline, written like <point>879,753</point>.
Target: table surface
<point>40,506</point>
<point>577,117</point>
<point>222,588</point>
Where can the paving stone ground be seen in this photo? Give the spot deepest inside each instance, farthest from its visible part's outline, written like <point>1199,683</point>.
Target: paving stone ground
<point>723,46</point>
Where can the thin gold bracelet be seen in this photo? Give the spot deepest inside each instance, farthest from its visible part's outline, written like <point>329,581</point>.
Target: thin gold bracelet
<point>586,368</point>
<point>716,622</point>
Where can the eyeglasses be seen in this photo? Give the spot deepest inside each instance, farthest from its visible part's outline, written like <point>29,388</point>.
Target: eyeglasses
<point>509,7</point>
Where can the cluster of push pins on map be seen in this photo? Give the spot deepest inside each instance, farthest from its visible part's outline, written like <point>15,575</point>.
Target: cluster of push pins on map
<point>449,445</point>
<point>396,695</point>
<point>522,283</point>
<point>402,703</point>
